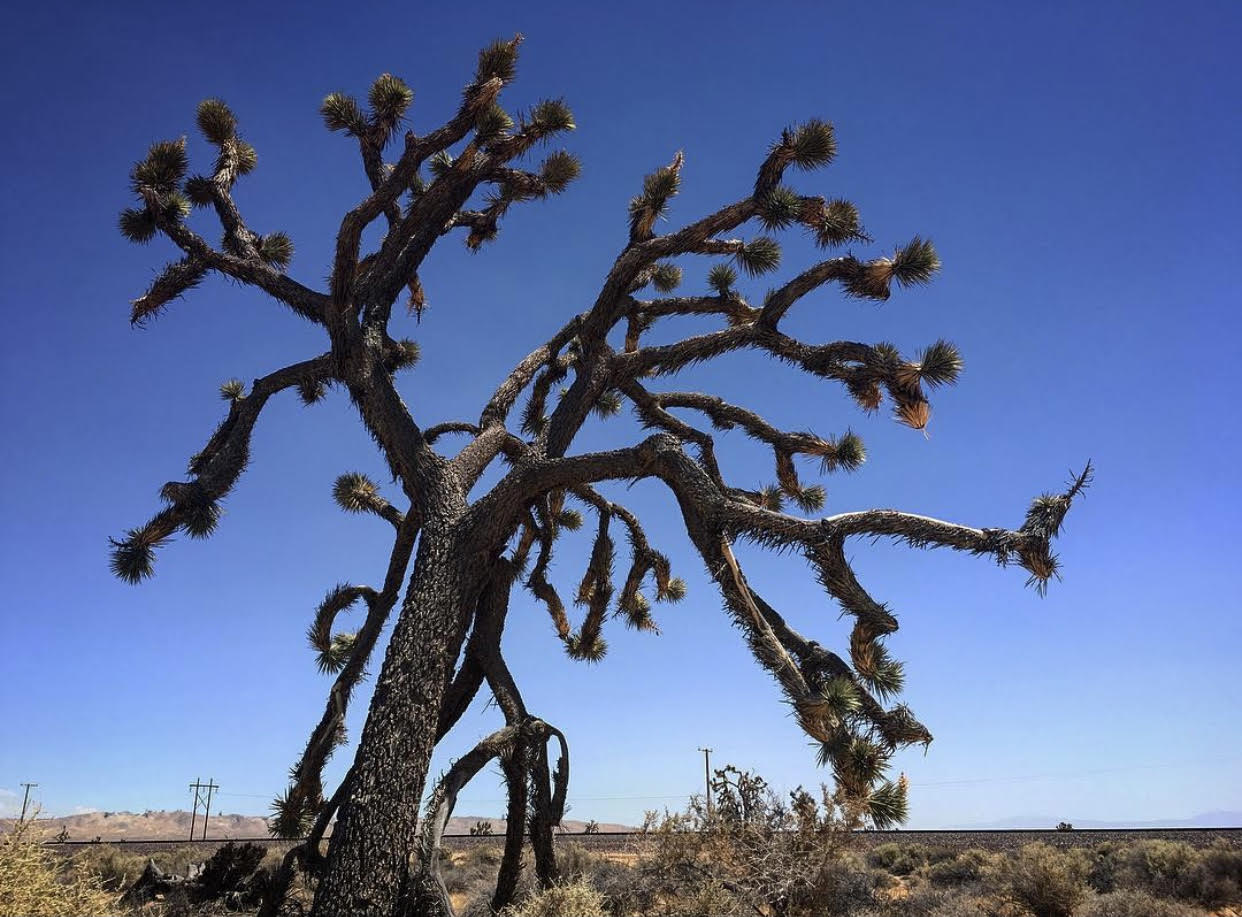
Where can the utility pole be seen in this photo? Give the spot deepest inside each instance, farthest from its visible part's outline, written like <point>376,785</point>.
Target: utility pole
<point>26,799</point>
<point>198,787</point>
<point>707,777</point>
<point>194,814</point>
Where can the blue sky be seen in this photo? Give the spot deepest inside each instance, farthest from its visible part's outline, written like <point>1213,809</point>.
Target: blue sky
<point>1077,166</point>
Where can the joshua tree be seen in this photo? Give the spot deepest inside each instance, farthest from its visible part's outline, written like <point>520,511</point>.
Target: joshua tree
<point>462,550</point>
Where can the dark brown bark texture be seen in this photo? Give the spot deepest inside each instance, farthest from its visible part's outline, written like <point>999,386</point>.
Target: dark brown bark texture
<point>461,551</point>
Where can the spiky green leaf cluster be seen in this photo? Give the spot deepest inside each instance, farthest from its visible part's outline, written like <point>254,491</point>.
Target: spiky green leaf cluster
<point>403,355</point>
<point>634,604</point>
<point>1046,515</point>
<point>639,617</point>
<point>440,164</point>
<point>551,116</point>
<point>673,592</point>
<point>389,97</point>
<point>810,145</point>
<point>940,364</point>
<point>498,61</point>
<point>558,170</point>
<point>856,762</point>
<point>915,263</point>
<point>311,391</point>
<point>901,728</point>
<point>336,656</point>
<point>569,519</point>
<point>759,256</point>
<point>810,499</point>
<point>848,451</point>
<point>880,672</point>
<point>338,598</point>
<point>200,518</point>
<point>492,123</point>
<point>174,207</point>
<point>584,649</point>
<point>200,190</point>
<point>666,277</point>
<point>838,223</point>
<point>870,280</point>
<point>133,557</point>
<point>354,492</point>
<point>887,805</point>
<point>216,121</point>
<point>780,209</point>
<point>163,168</point>
<point>721,278</point>
<point>841,696</point>
<point>276,249</point>
<point>342,113</point>
<point>608,404</point>
<point>658,189</point>
<point>237,157</point>
<point>232,390</point>
<point>138,225</point>
<point>771,497</point>
<point>291,817</point>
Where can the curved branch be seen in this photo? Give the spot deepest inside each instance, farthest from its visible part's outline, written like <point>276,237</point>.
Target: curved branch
<point>429,890</point>
<point>194,505</point>
<point>305,783</point>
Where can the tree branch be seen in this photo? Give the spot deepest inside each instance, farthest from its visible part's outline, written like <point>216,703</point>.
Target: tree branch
<point>194,505</point>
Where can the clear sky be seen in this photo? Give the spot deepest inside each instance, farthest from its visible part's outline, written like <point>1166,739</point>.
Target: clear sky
<point>1078,168</point>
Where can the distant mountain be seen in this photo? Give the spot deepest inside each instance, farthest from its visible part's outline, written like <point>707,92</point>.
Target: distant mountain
<point>154,825</point>
<point>1219,819</point>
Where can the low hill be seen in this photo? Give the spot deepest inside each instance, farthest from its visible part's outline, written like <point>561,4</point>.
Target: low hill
<point>157,824</point>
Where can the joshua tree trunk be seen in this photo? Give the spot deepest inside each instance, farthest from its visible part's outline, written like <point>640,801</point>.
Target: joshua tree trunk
<point>368,861</point>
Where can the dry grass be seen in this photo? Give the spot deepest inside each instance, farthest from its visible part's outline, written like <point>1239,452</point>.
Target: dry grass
<point>34,882</point>
<point>573,899</point>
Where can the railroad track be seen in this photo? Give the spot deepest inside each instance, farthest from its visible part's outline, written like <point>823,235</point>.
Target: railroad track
<point>614,841</point>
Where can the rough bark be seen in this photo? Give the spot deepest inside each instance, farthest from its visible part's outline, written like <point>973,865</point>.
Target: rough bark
<point>368,860</point>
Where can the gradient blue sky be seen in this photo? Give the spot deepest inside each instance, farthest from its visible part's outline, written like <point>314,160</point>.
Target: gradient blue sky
<point>1078,168</point>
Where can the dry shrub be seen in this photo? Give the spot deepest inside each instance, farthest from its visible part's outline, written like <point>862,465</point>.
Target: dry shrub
<point>1133,903</point>
<point>1210,876</point>
<point>1046,881</point>
<point>34,884</point>
<point>928,902</point>
<point>229,871</point>
<point>708,898</point>
<point>117,869</point>
<point>1163,868</point>
<point>571,899</point>
<point>1104,860</point>
<point>961,869</point>
<point>625,889</point>
<point>897,859</point>
<point>773,855</point>
<point>1219,875</point>
<point>471,872</point>
<point>574,860</point>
